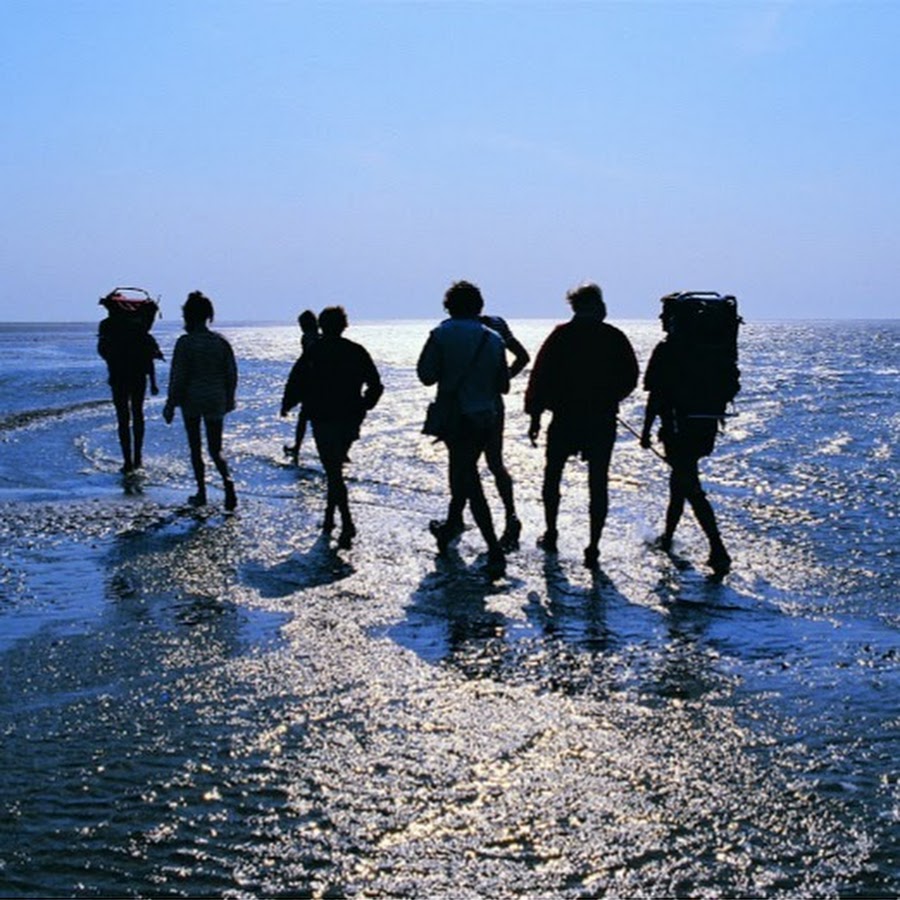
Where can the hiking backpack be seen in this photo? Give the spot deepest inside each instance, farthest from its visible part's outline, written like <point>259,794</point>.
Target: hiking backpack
<point>702,328</point>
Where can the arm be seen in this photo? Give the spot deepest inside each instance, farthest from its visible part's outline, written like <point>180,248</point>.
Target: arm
<point>177,376</point>
<point>521,356</point>
<point>293,388</point>
<point>372,380</point>
<point>428,367</point>
<point>628,370</point>
<point>650,413</point>
<point>535,393</point>
<point>503,371</point>
<point>153,353</point>
<point>654,405</point>
<point>231,375</point>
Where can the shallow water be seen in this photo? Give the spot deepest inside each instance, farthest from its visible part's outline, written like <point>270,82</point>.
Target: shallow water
<point>195,704</point>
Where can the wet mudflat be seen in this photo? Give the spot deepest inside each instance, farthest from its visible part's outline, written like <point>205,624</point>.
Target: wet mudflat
<point>247,712</point>
<point>200,705</point>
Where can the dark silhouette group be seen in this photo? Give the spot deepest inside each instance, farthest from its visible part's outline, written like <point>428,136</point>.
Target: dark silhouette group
<point>584,369</point>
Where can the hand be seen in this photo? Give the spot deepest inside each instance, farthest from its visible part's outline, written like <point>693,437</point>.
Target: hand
<point>645,440</point>
<point>534,429</point>
<point>154,389</point>
<point>283,412</point>
<point>168,413</point>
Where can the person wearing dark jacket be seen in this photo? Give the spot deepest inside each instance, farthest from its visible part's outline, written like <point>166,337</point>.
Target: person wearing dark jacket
<point>581,373</point>
<point>309,336</point>
<point>337,382</point>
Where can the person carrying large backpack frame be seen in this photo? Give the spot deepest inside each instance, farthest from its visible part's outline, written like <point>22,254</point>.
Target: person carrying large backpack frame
<point>691,378</point>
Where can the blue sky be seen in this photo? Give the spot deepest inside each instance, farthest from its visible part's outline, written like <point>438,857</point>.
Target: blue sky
<point>285,155</point>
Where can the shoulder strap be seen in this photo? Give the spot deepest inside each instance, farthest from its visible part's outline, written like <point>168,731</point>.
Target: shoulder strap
<point>465,374</point>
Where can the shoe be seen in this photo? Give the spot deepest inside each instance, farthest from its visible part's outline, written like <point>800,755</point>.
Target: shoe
<point>197,499</point>
<point>663,542</point>
<point>444,532</point>
<point>509,540</point>
<point>230,496</point>
<point>547,541</point>
<point>496,562</point>
<point>720,562</point>
<point>345,539</point>
<point>591,558</point>
<point>328,525</point>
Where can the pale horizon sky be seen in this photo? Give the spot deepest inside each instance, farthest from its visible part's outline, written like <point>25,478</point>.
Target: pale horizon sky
<point>284,155</point>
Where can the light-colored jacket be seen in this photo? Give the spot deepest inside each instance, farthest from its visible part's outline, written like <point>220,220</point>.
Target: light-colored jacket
<point>464,355</point>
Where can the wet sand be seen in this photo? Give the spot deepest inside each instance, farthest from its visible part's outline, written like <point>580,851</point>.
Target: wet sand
<point>210,705</point>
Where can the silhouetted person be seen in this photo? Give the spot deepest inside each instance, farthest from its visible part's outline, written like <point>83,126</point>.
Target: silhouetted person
<point>493,452</point>
<point>125,342</point>
<point>686,437</point>
<point>203,381</point>
<point>309,328</point>
<point>582,372</point>
<point>467,361</point>
<point>337,382</point>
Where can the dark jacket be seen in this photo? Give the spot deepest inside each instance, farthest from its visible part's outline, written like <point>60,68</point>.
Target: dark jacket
<point>582,372</point>
<point>335,380</point>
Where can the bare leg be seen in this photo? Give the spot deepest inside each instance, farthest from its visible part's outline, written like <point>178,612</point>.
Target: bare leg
<point>465,486</point>
<point>684,484</point>
<point>553,471</point>
<point>192,427</point>
<point>494,457</point>
<point>598,481</point>
<point>214,429</point>
<point>120,394</point>
<point>136,400</point>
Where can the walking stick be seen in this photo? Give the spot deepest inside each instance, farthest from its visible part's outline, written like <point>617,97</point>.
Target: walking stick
<point>625,425</point>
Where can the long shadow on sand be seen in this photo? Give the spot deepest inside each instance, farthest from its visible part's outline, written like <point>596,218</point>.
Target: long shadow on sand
<point>180,572</point>
<point>320,565</point>
<point>447,619</point>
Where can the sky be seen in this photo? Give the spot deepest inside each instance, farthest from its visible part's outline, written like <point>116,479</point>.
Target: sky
<point>285,155</point>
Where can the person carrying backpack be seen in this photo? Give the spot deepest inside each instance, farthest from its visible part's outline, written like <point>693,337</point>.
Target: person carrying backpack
<point>691,377</point>
<point>130,351</point>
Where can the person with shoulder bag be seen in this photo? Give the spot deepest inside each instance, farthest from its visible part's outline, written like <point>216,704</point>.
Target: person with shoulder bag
<point>467,362</point>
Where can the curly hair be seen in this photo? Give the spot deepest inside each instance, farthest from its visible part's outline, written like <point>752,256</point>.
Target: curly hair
<point>463,300</point>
